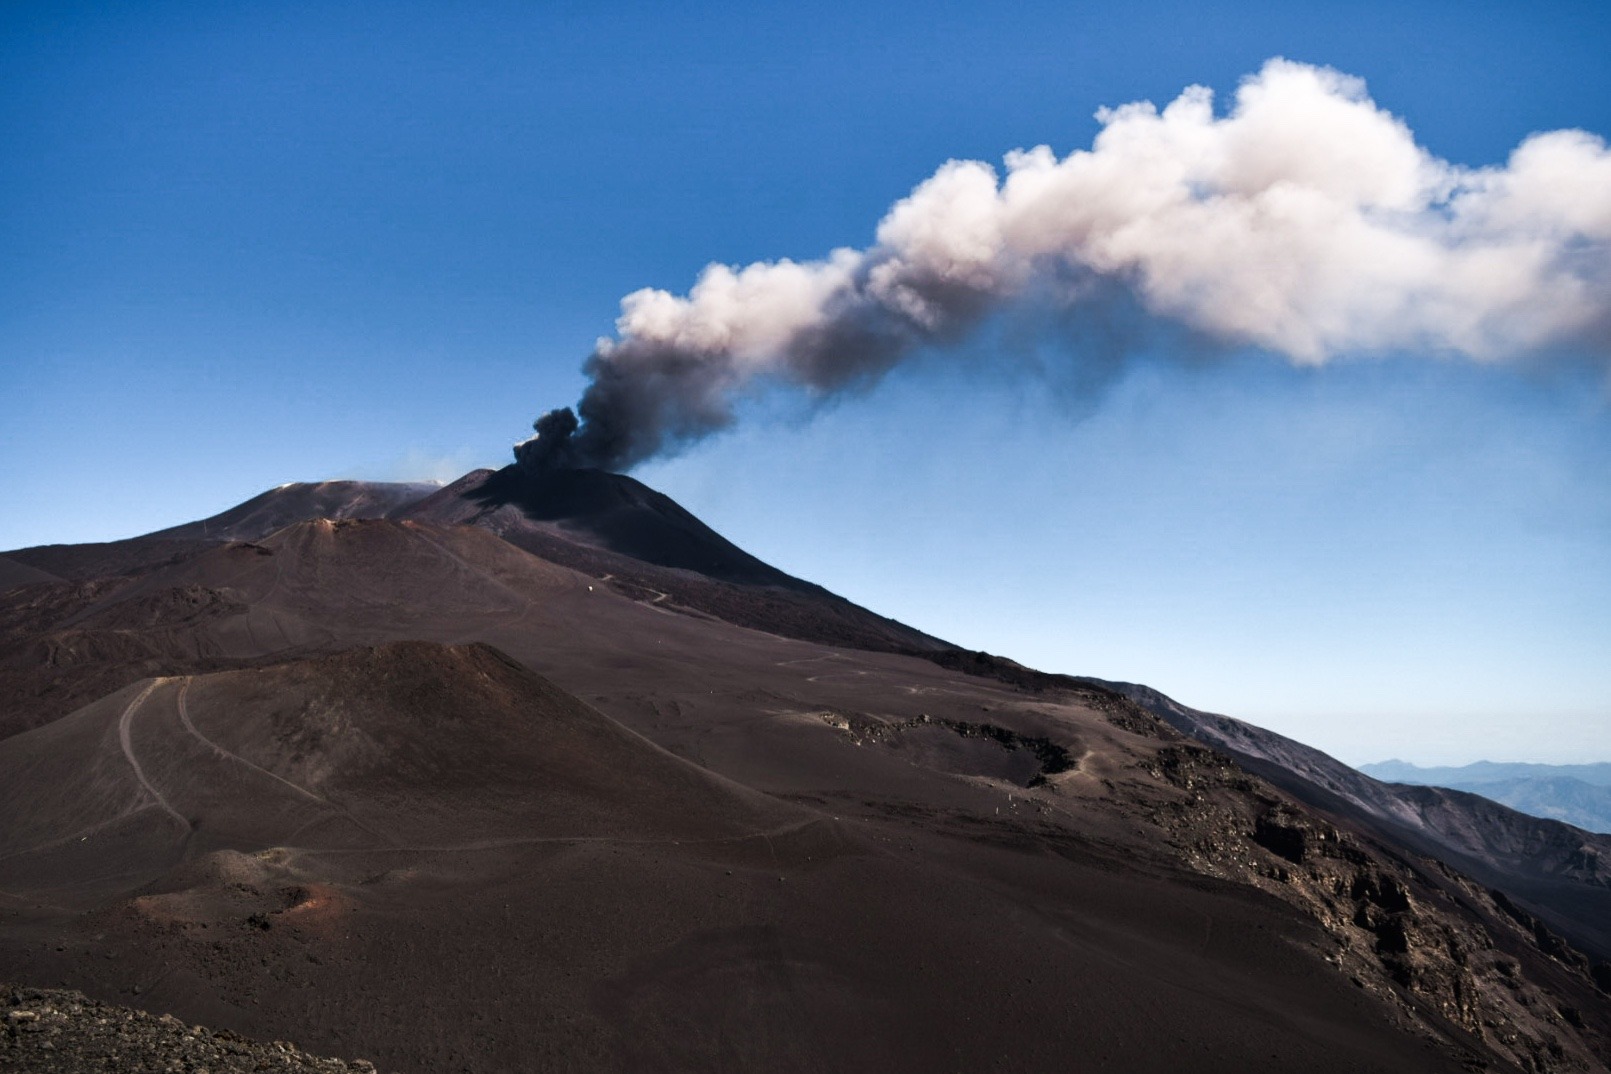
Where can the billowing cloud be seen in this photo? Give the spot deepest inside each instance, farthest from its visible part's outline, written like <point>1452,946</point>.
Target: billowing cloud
<point>1305,220</point>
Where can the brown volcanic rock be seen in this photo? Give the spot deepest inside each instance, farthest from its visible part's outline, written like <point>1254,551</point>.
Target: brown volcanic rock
<point>1447,943</point>
<point>1560,873</point>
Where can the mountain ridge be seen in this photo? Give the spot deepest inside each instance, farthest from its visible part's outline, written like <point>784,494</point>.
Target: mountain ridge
<point>1579,795</point>
<point>1558,871</point>
<point>1395,771</point>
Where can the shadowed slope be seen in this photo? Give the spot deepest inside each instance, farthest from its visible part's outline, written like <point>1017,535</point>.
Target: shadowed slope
<point>14,573</point>
<point>1571,801</point>
<point>1561,873</point>
<point>609,512</point>
<point>84,562</point>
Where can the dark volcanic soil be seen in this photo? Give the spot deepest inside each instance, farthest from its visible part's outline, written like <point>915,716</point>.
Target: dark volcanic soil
<point>407,791</point>
<point>646,545</point>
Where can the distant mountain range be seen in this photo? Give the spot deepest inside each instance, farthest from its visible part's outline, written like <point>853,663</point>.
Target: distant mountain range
<point>1578,794</point>
<point>1487,772</point>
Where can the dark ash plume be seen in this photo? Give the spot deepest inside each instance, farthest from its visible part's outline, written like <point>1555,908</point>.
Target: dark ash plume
<point>552,448</point>
<point>1306,222</point>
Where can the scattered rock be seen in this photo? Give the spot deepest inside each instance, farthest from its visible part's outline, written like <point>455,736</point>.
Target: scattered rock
<point>52,1031</point>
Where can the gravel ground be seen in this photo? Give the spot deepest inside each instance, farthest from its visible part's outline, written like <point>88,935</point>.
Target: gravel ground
<point>55,1031</point>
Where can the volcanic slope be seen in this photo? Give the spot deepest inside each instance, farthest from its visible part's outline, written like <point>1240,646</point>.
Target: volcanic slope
<point>1554,871</point>
<point>607,525</point>
<point>419,821</point>
<point>1548,875</point>
<point>299,502</point>
<point>59,648</point>
<point>14,574</point>
<point>765,854</point>
<point>645,544</point>
<point>257,517</point>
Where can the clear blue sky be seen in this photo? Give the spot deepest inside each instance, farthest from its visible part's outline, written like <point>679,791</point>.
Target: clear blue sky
<point>248,244</point>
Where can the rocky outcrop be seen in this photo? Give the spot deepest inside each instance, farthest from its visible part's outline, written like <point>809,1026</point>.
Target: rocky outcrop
<point>1556,871</point>
<point>55,1031</point>
<point>1446,951</point>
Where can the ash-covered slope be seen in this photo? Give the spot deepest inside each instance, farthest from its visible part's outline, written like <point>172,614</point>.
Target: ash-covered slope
<point>1571,801</point>
<point>644,543</point>
<point>14,573</point>
<point>492,875</point>
<point>102,559</point>
<point>249,521</point>
<point>1557,871</point>
<point>714,848</point>
<point>298,502</point>
<point>401,745</point>
<point>316,586</point>
<point>610,526</point>
<point>611,512</point>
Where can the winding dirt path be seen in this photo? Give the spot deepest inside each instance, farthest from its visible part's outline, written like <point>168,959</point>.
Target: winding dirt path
<point>184,718</point>
<point>339,812</point>
<point>568,840</point>
<point>126,739</point>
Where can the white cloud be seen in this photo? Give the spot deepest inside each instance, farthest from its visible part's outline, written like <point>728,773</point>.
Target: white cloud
<point>1305,220</point>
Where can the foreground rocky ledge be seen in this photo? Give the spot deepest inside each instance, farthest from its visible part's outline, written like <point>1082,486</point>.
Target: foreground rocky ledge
<point>56,1031</point>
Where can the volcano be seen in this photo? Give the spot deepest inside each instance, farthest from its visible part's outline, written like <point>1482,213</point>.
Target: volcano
<point>611,512</point>
<point>536,770</point>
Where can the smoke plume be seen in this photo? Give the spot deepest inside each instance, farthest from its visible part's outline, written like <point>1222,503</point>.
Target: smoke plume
<point>1306,221</point>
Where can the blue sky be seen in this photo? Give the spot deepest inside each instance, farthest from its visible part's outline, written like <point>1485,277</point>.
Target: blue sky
<point>243,245</point>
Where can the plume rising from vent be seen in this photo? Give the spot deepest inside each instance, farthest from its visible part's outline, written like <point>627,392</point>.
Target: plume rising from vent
<point>1306,221</point>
